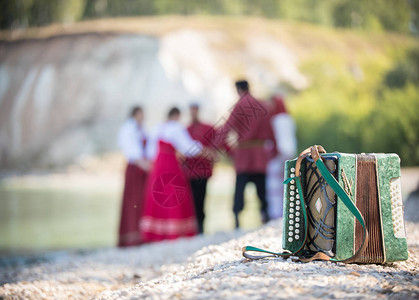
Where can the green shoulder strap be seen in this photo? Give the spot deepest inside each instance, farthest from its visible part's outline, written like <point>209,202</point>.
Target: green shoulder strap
<point>286,253</point>
<point>246,249</point>
<point>341,194</point>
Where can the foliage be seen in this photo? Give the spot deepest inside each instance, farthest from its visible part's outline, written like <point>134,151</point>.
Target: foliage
<point>414,4</point>
<point>393,124</point>
<point>407,71</point>
<point>375,112</point>
<point>24,13</point>
<point>373,14</point>
<point>391,15</point>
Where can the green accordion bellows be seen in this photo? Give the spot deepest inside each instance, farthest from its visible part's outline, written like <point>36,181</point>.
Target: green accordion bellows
<point>372,182</point>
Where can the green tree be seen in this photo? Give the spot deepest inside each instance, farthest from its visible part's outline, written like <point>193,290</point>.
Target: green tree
<point>392,126</point>
<point>14,14</point>
<point>393,15</point>
<point>363,14</point>
<point>406,71</point>
<point>42,12</point>
<point>414,4</point>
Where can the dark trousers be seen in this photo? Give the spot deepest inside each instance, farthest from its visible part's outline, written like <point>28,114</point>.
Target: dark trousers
<point>259,180</point>
<point>199,189</point>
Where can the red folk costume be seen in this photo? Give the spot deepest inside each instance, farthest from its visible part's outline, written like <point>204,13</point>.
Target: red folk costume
<point>169,210</point>
<point>255,141</point>
<point>131,140</point>
<point>200,166</point>
<point>254,147</point>
<point>199,169</point>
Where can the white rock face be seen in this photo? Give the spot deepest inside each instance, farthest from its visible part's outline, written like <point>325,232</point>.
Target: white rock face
<point>65,96</point>
<point>283,64</point>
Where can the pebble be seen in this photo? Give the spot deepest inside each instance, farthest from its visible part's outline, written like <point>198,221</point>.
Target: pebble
<point>207,267</point>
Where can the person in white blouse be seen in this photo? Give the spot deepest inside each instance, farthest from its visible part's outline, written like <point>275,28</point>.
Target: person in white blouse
<point>284,129</point>
<point>174,133</point>
<point>169,210</point>
<point>132,140</point>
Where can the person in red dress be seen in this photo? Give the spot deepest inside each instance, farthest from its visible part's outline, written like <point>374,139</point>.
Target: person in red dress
<point>131,140</point>
<point>169,211</point>
<point>250,120</point>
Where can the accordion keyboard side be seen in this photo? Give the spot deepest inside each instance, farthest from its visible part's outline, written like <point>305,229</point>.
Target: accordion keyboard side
<point>293,226</point>
<point>388,167</point>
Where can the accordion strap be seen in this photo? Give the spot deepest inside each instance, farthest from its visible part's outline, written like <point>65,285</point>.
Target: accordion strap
<point>346,200</point>
<point>315,151</point>
<point>286,254</point>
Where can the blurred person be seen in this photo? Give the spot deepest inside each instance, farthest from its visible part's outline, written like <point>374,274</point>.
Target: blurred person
<point>132,141</point>
<point>249,119</point>
<point>286,145</point>
<point>199,169</point>
<point>169,210</point>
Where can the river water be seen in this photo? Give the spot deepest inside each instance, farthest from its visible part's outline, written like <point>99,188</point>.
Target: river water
<point>41,216</point>
<point>50,218</point>
<point>82,212</point>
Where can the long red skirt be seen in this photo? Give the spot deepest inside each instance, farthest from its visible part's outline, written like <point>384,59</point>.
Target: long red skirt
<point>132,205</point>
<point>169,211</point>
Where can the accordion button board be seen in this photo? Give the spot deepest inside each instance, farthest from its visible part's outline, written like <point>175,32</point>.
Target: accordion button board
<point>294,210</point>
<point>293,220</point>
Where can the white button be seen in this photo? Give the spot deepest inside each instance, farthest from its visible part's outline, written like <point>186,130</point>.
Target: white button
<point>292,169</point>
<point>297,225</point>
<point>291,204</point>
<point>298,196</point>
<point>290,239</point>
<point>292,198</point>
<point>290,228</point>
<point>297,214</point>
<point>297,237</point>
<point>292,193</point>
<point>297,219</point>
<point>290,233</point>
<point>298,202</point>
<point>291,216</point>
<point>292,187</point>
<point>292,175</point>
<point>292,181</point>
<point>291,222</point>
<point>297,230</point>
<point>291,210</point>
<point>297,207</point>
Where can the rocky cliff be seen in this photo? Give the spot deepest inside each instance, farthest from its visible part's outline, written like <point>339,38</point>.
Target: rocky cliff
<point>65,94</point>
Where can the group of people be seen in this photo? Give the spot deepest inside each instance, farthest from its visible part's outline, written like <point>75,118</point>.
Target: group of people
<point>168,169</point>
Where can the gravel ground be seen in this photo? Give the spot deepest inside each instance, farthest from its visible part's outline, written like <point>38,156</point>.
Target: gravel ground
<point>217,271</point>
<point>206,267</point>
<point>84,274</point>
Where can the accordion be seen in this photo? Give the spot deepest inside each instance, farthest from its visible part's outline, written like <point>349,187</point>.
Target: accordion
<point>345,207</point>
